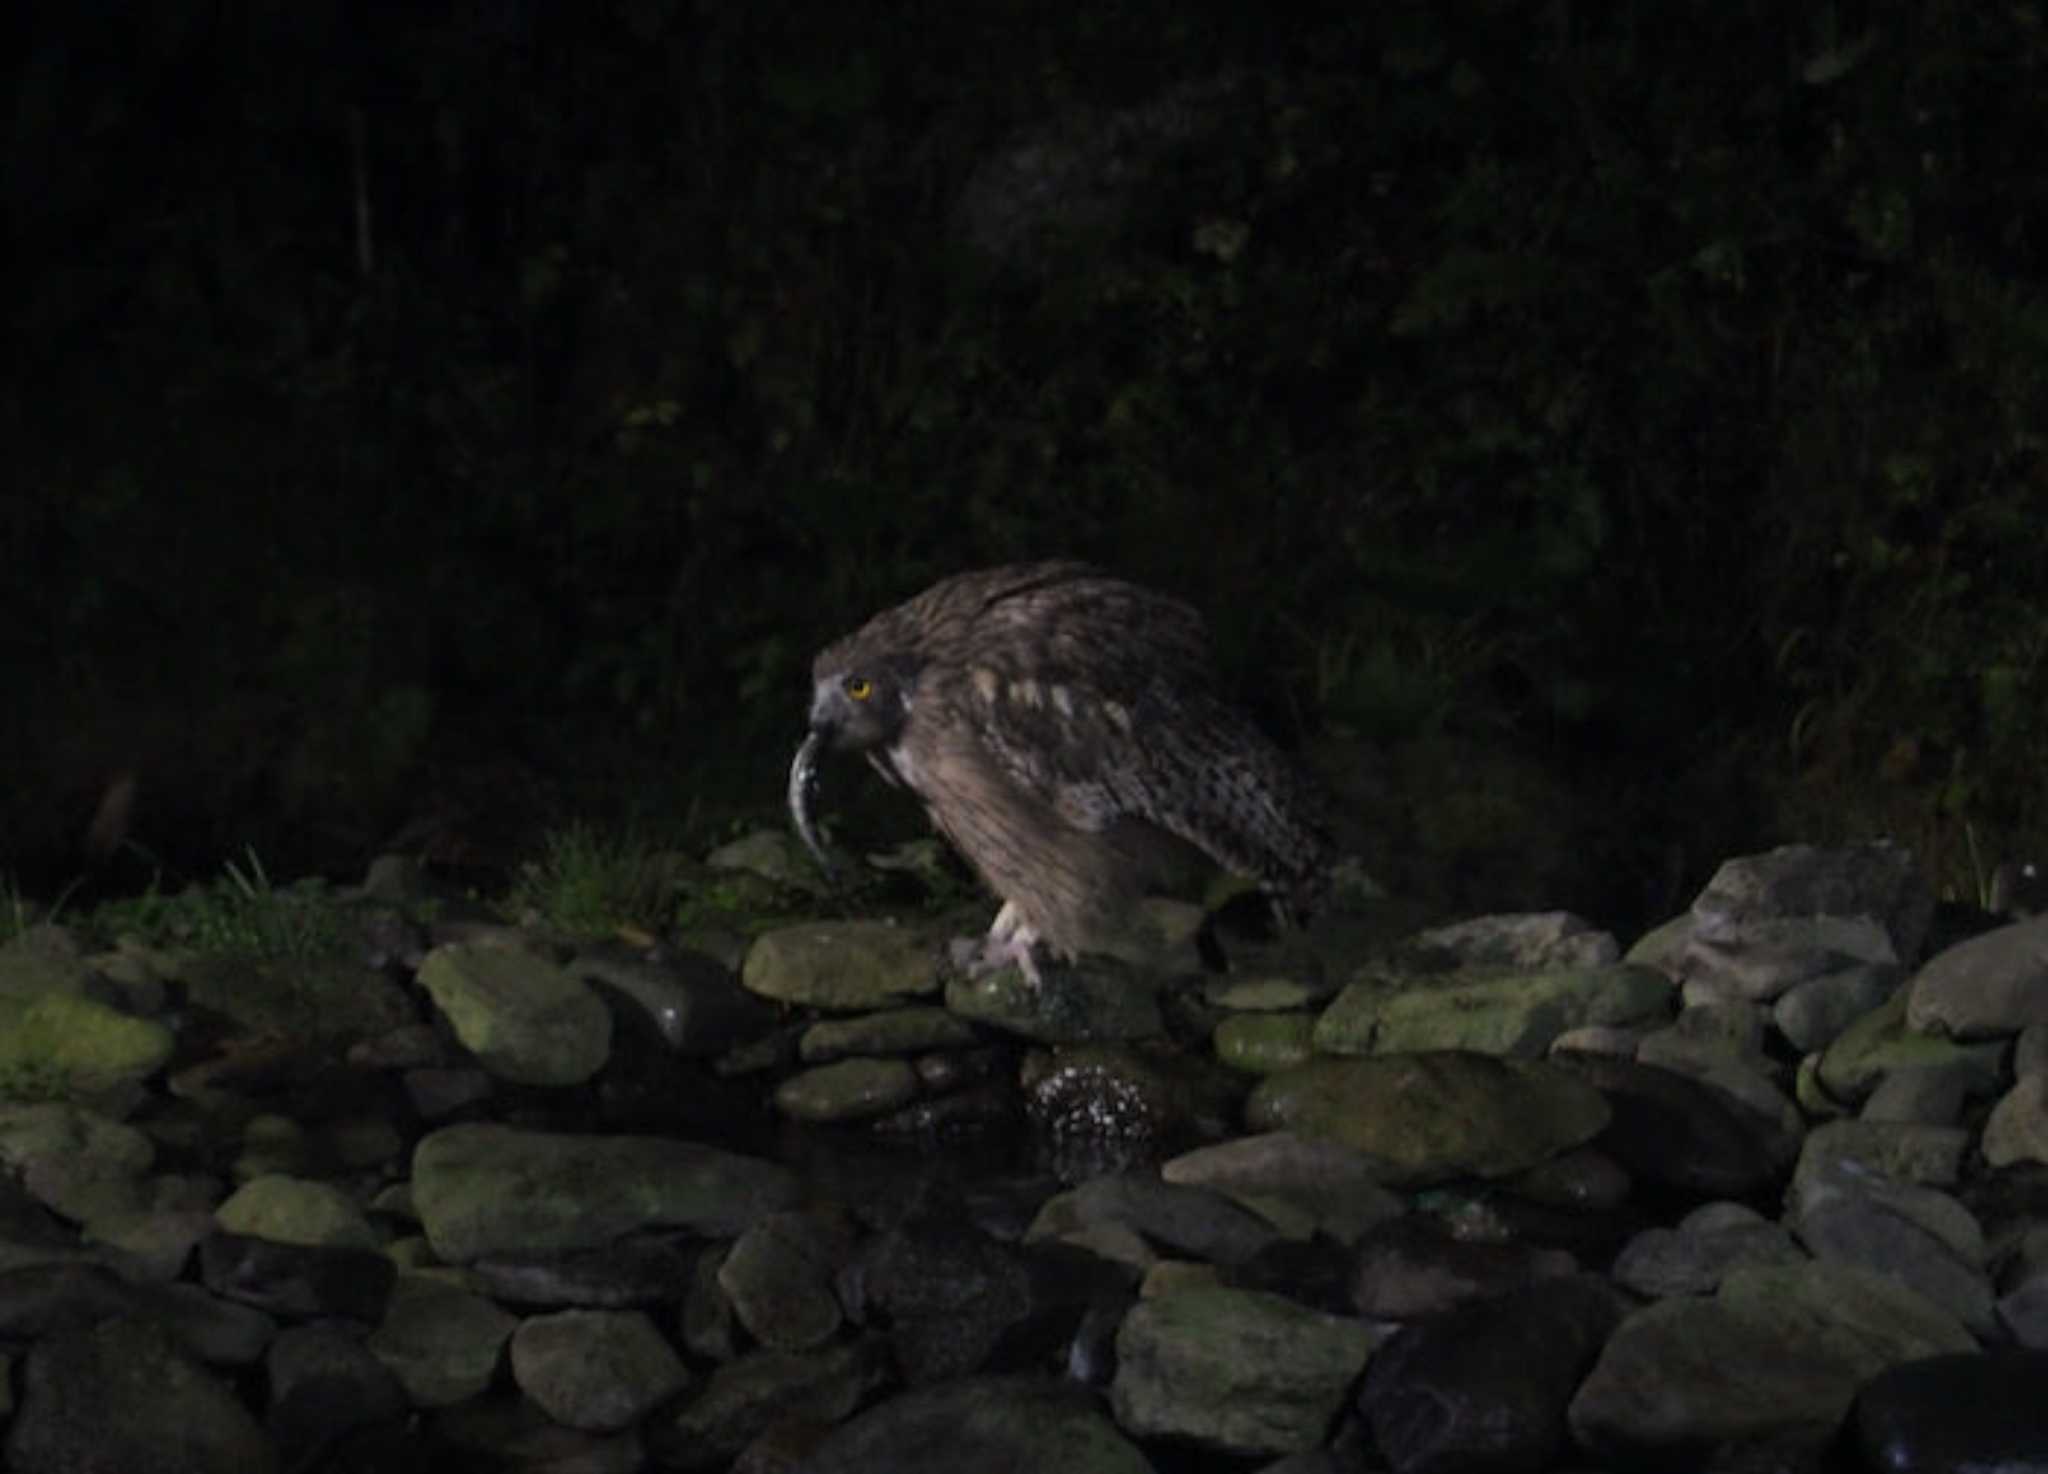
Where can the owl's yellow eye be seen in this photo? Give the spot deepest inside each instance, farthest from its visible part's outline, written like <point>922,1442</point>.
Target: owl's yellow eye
<point>860,688</point>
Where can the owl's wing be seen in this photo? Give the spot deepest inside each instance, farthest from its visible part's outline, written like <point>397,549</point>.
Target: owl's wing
<point>1165,750</point>
<point>1071,744</point>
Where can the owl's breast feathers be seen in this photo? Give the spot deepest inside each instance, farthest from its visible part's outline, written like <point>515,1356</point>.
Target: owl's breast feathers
<point>1050,716</point>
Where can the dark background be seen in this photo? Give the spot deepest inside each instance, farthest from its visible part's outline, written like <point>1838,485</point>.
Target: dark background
<point>1604,436</point>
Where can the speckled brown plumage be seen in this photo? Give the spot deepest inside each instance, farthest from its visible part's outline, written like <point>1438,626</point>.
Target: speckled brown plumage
<point>1058,723</point>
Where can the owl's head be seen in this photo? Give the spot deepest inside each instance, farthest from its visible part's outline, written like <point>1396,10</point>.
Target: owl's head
<point>860,705</point>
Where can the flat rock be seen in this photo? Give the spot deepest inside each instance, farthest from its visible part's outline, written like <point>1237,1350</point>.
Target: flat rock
<point>1435,1116</point>
<point>841,966</point>
<point>598,1370</point>
<point>1239,1371</point>
<point>1519,1015</point>
<point>1776,1352</point>
<point>1022,1425</point>
<point>1486,1386</point>
<point>121,1395</point>
<point>525,1019</point>
<point>484,1189</point>
<point>1991,985</point>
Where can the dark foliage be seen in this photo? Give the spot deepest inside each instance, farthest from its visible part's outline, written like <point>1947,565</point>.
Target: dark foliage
<point>389,388</point>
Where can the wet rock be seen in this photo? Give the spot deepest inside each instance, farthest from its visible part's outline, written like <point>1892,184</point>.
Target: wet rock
<point>1205,1268</point>
<point>74,1161</point>
<point>1952,1413</point>
<point>298,1279</point>
<point>485,1189</point>
<point>1932,1155</point>
<point>1235,1370</point>
<point>437,1094</point>
<point>1583,1180</point>
<point>2023,1311</point>
<point>505,1432</point>
<point>30,1233</point>
<point>1991,985</point>
<point>1682,1133</point>
<point>892,1031</point>
<point>1435,1116</point>
<point>1767,922</point>
<point>1776,1352</point>
<point>324,1384</point>
<point>1519,1015</point>
<point>441,1342</point>
<point>1925,1095</point>
<point>120,1395</point>
<point>1265,1043</point>
<point>1708,1243</point>
<point>292,1210</point>
<point>1812,1013</point>
<point>155,1242</point>
<point>639,1270</point>
<point>1192,1221</point>
<point>2012,1208</point>
<point>2030,1052</point>
<point>1747,1080</point>
<point>1918,1236</point>
<point>947,1294</point>
<point>1264,994</point>
<point>525,1019</point>
<point>358,1142</point>
<point>297,998</point>
<point>841,966</point>
<point>709,1329</point>
<point>1663,945</point>
<point>695,1004</point>
<point>1298,1184</point>
<point>1020,1424</point>
<point>981,1112</point>
<point>954,1301</point>
<point>1528,941</point>
<point>1115,1093</point>
<point>1094,999</point>
<point>1729,1026</point>
<point>42,1300</point>
<point>212,1329</point>
<point>598,1370</point>
<point>1313,1272</point>
<point>778,1276</point>
<point>959,1069</point>
<point>273,1145</point>
<point>847,1090</point>
<point>746,1396</point>
<point>1414,1267</point>
<point>1879,1043</point>
<point>1486,1387</point>
<point>2017,1129</point>
<point>67,1045</point>
<point>772,854</point>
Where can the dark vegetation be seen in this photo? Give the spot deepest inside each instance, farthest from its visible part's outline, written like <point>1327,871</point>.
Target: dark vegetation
<point>428,418</point>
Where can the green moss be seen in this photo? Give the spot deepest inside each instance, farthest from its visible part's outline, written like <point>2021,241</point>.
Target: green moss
<point>62,1045</point>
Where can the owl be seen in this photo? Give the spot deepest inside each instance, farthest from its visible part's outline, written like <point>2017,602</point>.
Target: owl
<point>1066,733</point>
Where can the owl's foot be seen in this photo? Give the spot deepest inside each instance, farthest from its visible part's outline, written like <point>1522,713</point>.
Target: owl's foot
<point>1008,942</point>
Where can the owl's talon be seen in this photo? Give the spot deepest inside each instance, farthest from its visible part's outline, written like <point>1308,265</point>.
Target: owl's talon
<point>977,957</point>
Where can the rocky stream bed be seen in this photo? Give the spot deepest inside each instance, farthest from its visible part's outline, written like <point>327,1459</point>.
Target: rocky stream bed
<point>1766,1191</point>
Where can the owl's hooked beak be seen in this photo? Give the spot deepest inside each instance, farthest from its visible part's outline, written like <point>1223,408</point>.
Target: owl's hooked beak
<point>803,781</point>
